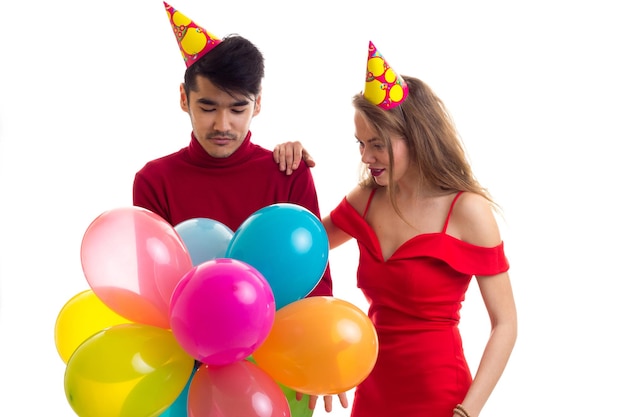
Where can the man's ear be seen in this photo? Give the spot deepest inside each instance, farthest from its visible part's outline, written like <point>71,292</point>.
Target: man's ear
<point>257,104</point>
<point>184,104</point>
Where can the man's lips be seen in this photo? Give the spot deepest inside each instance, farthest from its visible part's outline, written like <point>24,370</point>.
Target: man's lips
<point>220,140</point>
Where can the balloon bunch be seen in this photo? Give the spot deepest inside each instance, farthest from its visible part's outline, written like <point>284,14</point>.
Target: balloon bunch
<point>196,320</point>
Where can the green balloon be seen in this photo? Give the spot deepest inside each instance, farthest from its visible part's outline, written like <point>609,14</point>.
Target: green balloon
<point>127,370</point>
<point>297,408</point>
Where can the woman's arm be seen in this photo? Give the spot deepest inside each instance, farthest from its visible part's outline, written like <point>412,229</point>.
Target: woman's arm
<point>357,198</point>
<point>474,222</point>
<point>336,236</point>
<point>289,154</point>
<point>498,297</point>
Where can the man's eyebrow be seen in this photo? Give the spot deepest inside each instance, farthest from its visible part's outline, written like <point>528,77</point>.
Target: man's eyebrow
<point>240,103</point>
<point>206,101</point>
<point>209,102</point>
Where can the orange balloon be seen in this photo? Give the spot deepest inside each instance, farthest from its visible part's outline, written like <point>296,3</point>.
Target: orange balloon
<point>319,346</point>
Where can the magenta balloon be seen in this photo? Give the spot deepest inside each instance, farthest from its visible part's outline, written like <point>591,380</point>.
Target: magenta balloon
<point>221,311</point>
<point>133,259</point>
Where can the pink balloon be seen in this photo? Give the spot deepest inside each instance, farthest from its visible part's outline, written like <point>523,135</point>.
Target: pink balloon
<point>237,389</point>
<point>221,311</point>
<point>133,259</point>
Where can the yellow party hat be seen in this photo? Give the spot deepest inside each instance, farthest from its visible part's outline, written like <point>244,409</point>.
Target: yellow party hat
<point>193,40</point>
<point>383,86</point>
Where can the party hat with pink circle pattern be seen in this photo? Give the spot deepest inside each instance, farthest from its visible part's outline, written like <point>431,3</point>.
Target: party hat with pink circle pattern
<point>383,86</point>
<point>193,40</point>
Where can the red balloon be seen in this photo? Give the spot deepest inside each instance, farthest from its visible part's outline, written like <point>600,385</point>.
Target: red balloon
<point>237,389</point>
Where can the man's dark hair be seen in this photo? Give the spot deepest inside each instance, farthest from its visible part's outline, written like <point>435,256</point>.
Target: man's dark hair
<point>235,65</point>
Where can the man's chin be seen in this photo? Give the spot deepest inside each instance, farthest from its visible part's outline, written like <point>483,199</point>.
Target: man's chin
<point>217,150</point>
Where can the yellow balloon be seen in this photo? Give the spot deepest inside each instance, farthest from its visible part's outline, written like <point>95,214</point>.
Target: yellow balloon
<point>81,317</point>
<point>127,370</point>
<point>319,346</point>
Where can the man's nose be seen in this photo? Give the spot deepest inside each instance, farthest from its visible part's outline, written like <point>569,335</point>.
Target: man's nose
<point>222,121</point>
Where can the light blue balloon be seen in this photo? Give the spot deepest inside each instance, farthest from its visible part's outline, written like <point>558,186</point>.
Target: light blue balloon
<point>205,239</point>
<point>288,245</point>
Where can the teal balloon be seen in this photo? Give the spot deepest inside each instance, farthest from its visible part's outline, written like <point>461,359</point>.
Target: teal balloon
<point>205,239</point>
<point>288,245</point>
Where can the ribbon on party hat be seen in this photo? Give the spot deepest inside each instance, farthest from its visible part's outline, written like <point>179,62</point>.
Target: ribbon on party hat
<point>383,86</point>
<point>193,40</point>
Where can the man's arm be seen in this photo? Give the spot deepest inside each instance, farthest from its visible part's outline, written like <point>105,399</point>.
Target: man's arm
<point>144,195</point>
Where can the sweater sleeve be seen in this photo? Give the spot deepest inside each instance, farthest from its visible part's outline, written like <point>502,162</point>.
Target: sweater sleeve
<point>145,195</point>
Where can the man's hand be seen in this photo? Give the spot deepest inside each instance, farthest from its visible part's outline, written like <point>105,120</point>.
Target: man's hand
<point>328,401</point>
<point>289,154</point>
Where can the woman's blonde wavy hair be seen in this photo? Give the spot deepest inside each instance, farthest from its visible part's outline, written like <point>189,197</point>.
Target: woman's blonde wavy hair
<point>434,145</point>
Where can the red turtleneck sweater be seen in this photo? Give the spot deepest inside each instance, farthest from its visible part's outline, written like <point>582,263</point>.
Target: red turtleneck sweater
<point>192,184</point>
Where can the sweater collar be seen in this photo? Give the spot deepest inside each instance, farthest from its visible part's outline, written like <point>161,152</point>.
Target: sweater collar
<point>201,158</point>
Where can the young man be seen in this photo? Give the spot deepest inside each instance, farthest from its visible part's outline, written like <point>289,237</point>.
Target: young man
<point>221,175</point>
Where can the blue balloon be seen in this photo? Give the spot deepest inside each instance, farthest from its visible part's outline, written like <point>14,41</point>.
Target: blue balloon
<point>205,239</point>
<point>288,245</point>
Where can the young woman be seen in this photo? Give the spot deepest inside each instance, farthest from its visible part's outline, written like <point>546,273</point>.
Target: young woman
<point>425,227</point>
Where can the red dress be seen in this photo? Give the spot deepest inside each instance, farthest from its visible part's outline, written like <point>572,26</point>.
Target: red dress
<point>414,303</point>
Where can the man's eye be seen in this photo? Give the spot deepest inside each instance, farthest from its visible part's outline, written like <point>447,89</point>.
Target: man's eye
<point>206,110</point>
<point>238,111</point>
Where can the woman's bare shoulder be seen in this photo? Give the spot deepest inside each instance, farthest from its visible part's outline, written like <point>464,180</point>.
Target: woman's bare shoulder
<point>358,198</point>
<point>474,220</point>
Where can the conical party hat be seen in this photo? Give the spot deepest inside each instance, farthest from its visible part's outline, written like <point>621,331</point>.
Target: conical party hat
<point>193,40</point>
<point>383,86</point>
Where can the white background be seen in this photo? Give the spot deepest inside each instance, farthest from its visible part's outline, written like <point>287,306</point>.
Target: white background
<point>89,93</point>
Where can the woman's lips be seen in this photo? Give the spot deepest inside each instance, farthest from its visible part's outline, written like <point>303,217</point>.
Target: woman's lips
<point>376,172</point>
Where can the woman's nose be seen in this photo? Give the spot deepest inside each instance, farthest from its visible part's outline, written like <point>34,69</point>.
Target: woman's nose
<point>366,156</point>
